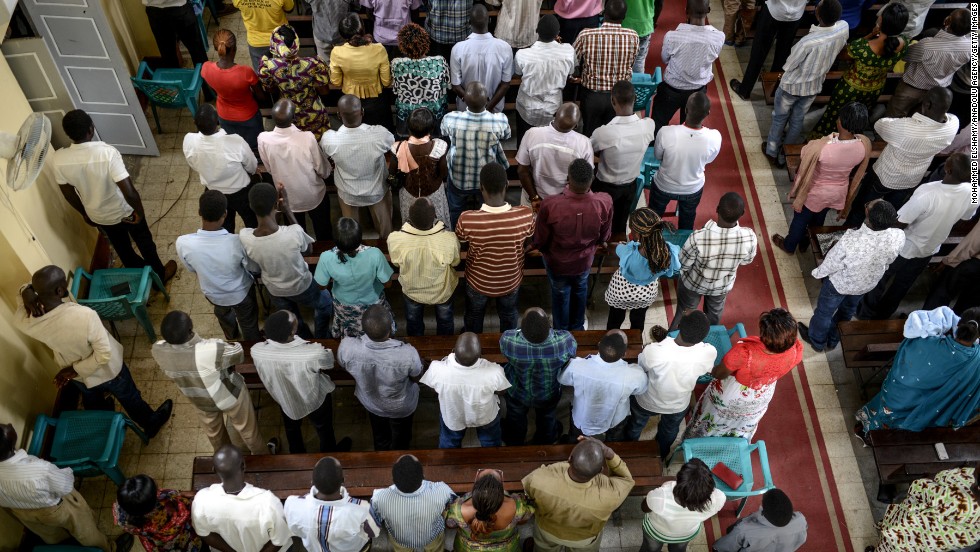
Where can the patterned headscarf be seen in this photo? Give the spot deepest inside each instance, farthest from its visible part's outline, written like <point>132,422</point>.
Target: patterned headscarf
<point>278,43</point>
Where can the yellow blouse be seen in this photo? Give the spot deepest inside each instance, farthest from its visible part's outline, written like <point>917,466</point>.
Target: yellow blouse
<point>360,70</point>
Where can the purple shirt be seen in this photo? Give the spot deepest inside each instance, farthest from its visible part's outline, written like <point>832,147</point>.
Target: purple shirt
<point>569,228</point>
<point>389,17</point>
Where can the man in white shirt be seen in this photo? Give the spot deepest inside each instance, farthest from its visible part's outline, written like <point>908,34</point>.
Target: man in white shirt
<point>234,515</point>
<point>673,367</point>
<point>93,359</point>
<point>224,162</point>
<point>294,372</point>
<point>684,151</point>
<point>927,219</point>
<point>545,153</point>
<point>350,527</point>
<point>468,388</point>
<point>359,152</point>
<point>279,251</point>
<point>173,20</point>
<point>42,496</point>
<point>293,158</point>
<point>481,58</point>
<point>603,385</point>
<point>621,145</point>
<point>94,180</point>
<point>544,69</point>
<point>776,22</point>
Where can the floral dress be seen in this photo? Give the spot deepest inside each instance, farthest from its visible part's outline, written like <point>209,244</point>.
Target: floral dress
<point>419,83</point>
<point>507,539</point>
<point>168,528</point>
<point>937,514</point>
<point>862,82</point>
<point>297,78</point>
<point>734,406</point>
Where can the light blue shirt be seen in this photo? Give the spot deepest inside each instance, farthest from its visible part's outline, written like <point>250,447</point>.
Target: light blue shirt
<point>484,59</point>
<point>602,391</point>
<point>358,281</point>
<point>636,269</point>
<point>219,260</point>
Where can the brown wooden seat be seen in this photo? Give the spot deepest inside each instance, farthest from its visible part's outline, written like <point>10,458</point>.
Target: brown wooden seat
<point>364,472</point>
<point>770,81</point>
<point>869,345</point>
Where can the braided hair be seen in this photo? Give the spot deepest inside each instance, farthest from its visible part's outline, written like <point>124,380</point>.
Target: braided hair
<point>647,225</point>
<point>487,497</point>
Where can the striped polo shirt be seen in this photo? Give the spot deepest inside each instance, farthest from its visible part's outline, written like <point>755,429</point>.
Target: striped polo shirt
<point>495,258</point>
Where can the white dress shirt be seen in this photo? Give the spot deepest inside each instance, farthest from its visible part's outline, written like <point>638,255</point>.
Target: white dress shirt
<point>688,53</point>
<point>684,152</point>
<point>292,374</point>
<point>602,391</point>
<point>484,59</point>
<point>93,168</point>
<point>621,145</point>
<point>786,10</point>
<point>343,525</point>
<point>223,161</point>
<point>280,257</point>
<point>549,153</point>
<point>245,521</point>
<point>219,260</point>
<point>931,213</point>
<point>860,258</point>
<point>293,158</point>
<point>29,483</point>
<point>672,372</point>
<point>359,155</point>
<point>544,69</point>
<point>467,394</point>
<point>912,144</point>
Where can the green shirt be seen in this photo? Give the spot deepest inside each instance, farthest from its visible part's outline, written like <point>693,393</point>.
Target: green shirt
<point>639,16</point>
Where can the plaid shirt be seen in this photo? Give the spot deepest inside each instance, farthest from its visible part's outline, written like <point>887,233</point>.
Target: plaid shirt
<point>448,21</point>
<point>711,256</point>
<point>606,54</point>
<point>474,140</point>
<point>532,368</point>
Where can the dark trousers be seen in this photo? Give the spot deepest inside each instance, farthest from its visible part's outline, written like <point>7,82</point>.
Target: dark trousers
<point>315,298</point>
<point>124,389</point>
<point>687,205</point>
<point>119,236</point>
<point>767,32</point>
<point>320,216</point>
<point>414,317</point>
<point>957,284</point>
<point>622,197</point>
<point>570,28</point>
<point>617,316</point>
<point>322,420</point>
<point>870,190</point>
<point>249,130</point>
<point>881,302</point>
<point>597,109</point>
<point>569,294</point>
<point>169,25</point>
<point>667,101</point>
<point>460,201</point>
<point>798,227</point>
<point>476,310</point>
<point>667,428</point>
<point>238,205</point>
<point>377,112</point>
<point>391,433</point>
<point>440,49</point>
<point>244,314</point>
<point>522,128</point>
<point>546,426</point>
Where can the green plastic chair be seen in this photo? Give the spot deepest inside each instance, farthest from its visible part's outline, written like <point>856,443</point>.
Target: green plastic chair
<point>736,454</point>
<point>87,441</point>
<point>647,171</point>
<point>645,87</point>
<point>720,338</point>
<point>677,237</point>
<point>119,307</point>
<point>169,88</point>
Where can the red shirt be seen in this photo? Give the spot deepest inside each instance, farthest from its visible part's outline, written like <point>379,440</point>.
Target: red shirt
<point>495,258</point>
<point>570,227</point>
<point>753,366</point>
<point>233,86</point>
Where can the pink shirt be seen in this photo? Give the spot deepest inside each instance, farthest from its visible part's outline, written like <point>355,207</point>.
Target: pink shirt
<point>574,9</point>
<point>832,175</point>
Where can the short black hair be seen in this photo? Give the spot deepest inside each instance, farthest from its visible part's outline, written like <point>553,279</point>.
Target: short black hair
<point>694,486</point>
<point>829,11</point>
<point>580,172</point>
<point>535,326</point>
<point>328,475</point>
<point>176,327</point>
<point>731,207</point>
<point>778,330</point>
<point>420,123</point>
<point>959,22</point>
<point>277,326</point>
<point>854,117</point>
<point>615,10</point>
<point>206,119</point>
<point>548,27</point>
<point>968,328</point>
<point>493,178</point>
<point>959,163</point>
<point>212,205</point>
<point>262,198</point>
<point>694,327</point>
<point>347,237</point>
<point>376,321</point>
<point>6,445</point>
<point>624,93</point>
<point>288,35</point>
<point>407,474</point>
<point>882,215</point>
<point>76,124</point>
<point>350,26</point>
<point>137,497</point>
<point>777,508</point>
<point>612,346</point>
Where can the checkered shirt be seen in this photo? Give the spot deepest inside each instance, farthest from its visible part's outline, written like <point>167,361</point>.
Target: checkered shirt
<point>606,55</point>
<point>474,140</point>
<point>711,256</point>
<point>448,21</point>
<point>532,368</point>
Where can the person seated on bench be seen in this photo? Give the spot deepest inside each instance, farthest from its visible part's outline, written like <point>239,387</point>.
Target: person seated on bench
<point>160,518</point>
<point>773,528</point>
<point>535,354</point>
<point>672,367</point>
<point>934,381</point>
<point>327,518</point>
<point>939,513</point>
<point>851,268</point>
<point>411,509</point>
<point>676,509</point>
<point>294,372</point>
<point>546,151</point>
<point>574,499</point>
<point>827,178</point>
<point>603,385</point>
<point>235,516</point>
<point>468,387</point>
<point>959,273</point>
<point>488,518</point>
<point>385,373</point>
<point>874,57</point>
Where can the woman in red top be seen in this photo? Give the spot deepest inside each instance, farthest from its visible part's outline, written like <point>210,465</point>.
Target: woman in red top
<point>734,403</point>
<point>237,87</point>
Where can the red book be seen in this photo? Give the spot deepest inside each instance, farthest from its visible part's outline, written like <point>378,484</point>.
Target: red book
<point>730,478</point>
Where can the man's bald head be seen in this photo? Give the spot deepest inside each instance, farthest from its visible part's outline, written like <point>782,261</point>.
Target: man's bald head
<point>936,103</point>
<point>50,282</point>
<point>283,113</point>
<point>422,214</point>
<point>479,19</point>
<point>467,349</point>
<point>351,113</point>
<point>586,460</point>
<point>228,462</point>
<point>476,97</point>
<point>567,117</point>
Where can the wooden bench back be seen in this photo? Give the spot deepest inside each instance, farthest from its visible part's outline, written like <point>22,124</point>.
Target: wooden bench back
<point>903,456</point>
<point>869,343</point>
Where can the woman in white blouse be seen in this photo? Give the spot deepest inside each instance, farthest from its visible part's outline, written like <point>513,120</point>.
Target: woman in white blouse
<point>675,510</point>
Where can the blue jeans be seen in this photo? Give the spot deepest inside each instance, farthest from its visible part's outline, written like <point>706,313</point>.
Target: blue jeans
<point>476,309</point>
<point>568,297</point>
<point>489,434</point>
<point>687,205</point>
<point>460,200</point>
<point>640,62</point>
<point>315,298</point>
<point>832,307</point>
<point>414,317</point>
<point>545,420</point>
<point>255,53</point>
<point>797,228</point>
<point>791,109</point>
<point>124,389</point>
<point>667,428</point>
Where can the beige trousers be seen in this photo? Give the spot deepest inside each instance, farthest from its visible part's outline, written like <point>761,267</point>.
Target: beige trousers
<point>241,416</point>
<point>739,15</point>
<point>437,545</point>
<point>72,517</point>
<point>381,214</point>
<point>546,542</point>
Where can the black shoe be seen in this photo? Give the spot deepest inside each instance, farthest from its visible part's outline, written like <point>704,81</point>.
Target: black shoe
<point>273,445</point>
<point>805,336</point>
<point>735,84</point>
<point>343,445</point>
<point>160,417</point>
<point>124,542</point>
<point>860,434</point>
<point>887,493</point>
